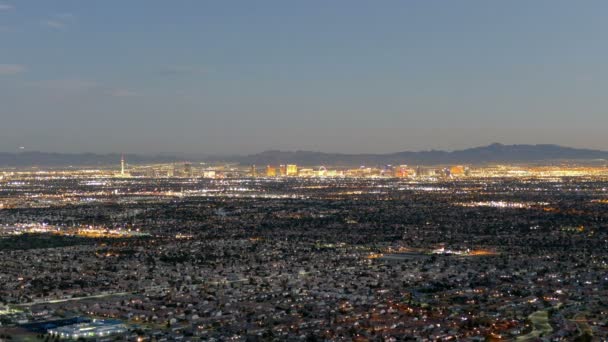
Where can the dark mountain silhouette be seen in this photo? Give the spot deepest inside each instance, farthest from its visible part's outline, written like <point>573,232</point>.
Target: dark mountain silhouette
<point>494,153</point>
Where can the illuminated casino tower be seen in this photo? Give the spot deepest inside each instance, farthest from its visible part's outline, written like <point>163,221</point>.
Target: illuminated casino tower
<point>122,164</point>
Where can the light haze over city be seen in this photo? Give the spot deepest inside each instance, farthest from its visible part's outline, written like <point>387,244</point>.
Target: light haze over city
<point>237,77</point>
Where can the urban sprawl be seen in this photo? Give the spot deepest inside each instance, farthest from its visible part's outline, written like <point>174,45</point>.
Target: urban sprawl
<point>199,252</point>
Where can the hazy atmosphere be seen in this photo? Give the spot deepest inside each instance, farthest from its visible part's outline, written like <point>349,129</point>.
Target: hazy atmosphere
<point>236,77</point>
<point>303,171</point>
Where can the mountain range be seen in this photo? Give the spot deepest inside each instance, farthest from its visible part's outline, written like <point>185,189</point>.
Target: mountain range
<point>494,153</point>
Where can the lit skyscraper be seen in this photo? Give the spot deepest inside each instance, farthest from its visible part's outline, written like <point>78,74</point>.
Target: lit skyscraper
<point>271,171</point>
<point>292,170</point>
<point>122,165</point>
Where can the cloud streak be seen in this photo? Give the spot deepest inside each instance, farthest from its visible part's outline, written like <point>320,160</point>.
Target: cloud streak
<point>11,69</point>
<point>6,7</point>
<point>55,24</point>
<point>58,21</point>
<point>80,86</point>
<point>122,93</point>
<point>69,85</point>
<point>184,70</point>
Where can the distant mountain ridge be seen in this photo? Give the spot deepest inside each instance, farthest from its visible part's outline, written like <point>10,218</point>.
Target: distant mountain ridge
<point>494,153</point>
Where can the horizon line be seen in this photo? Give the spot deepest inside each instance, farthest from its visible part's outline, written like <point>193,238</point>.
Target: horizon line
<point>198,154</point>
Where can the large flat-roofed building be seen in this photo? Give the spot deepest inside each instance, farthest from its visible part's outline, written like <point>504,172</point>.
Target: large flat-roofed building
<point>271,171</point>
<point>93,329</point>
<point>292,170</point>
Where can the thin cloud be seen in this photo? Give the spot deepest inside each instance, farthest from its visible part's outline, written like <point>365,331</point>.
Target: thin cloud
<point>123,93</point>
<point>59,21</point>
<point>54,24</point>
<point>6,7</point>
<point>68,86</point>
<point>64,84</point>
<point>11,69</point>
<point>184,70</point>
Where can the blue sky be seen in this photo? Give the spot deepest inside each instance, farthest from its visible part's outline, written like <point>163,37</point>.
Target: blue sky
<point>337,76</point>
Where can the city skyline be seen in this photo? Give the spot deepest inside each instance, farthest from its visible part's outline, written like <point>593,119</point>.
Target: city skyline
<point>483,155</point>
<point>345,170</point>
<point>215,78</point>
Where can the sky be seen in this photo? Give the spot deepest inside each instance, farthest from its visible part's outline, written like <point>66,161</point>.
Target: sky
<point>352,76</point>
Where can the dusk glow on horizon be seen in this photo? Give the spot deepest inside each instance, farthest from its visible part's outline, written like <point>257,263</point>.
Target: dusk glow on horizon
<point>237,77</point>
<point>344,170</point>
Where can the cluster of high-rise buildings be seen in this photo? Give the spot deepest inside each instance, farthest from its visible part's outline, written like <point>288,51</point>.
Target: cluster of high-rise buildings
<point>203,170</point>
<point>399,171</point>
<point>284,170</point>
<point>220,171</point>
